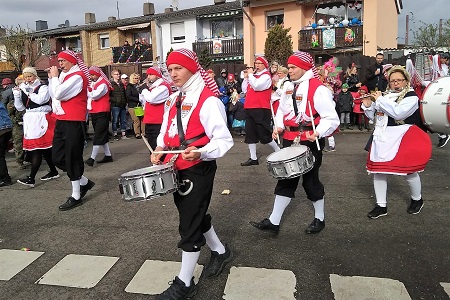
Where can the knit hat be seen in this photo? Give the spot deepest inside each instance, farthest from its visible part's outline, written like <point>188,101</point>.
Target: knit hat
<point>30,70</point>
<point>189,60</point>
<point>154,71</point>
<point>6,81</point>
<point>94,70</point>
<point>263,60</point>
<point>72,57</point>
<point>304,61</point>
<point>123,76</point>
<point>363,87</point>
<point>230,77</point>
<point>345,86</point>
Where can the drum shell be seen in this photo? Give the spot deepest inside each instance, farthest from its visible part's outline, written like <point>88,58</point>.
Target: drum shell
<point>290,162</point>
<point>435,106</point>
<point>148,183</point>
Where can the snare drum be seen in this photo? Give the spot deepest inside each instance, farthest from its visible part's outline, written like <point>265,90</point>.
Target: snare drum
<point>290,162</point>
<point>435,106</point>
<point>148,183</point>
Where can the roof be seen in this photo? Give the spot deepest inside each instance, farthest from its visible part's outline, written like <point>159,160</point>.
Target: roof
<point>202,10</point>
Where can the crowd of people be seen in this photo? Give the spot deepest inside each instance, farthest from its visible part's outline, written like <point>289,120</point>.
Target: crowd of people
<point>188,119</point>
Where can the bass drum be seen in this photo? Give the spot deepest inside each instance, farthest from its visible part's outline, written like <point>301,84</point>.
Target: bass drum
<point>435,106</point>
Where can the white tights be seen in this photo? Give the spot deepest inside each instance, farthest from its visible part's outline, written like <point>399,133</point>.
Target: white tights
<point>380,186</point>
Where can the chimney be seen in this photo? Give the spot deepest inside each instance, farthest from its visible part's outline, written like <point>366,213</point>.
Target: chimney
<point>110,19</point>
<point>168,10</point>
<point>149,9</point>
<point>219,1</point>
<point>89,18</point>
<point>41,25</point>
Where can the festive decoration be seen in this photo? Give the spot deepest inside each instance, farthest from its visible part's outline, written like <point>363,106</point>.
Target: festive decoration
<point>320,22</point>
<point>349,35</point>
<point>345,22</point>
<point>355,21</point>
<point>314,40</point>
<point>329,39</point>
<point>314,25</point>
<point>332,20</point>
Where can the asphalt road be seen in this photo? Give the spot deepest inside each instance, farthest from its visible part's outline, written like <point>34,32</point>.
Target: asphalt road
<point>412,249</point>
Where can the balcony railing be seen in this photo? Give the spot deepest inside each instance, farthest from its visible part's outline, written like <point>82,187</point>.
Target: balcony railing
<point>132,54</point>
<point>331,38</point>
<point>221,48</point>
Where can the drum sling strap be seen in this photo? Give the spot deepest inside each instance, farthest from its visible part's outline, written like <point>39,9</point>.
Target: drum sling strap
<point>303,126</point>
<point>183,143</point>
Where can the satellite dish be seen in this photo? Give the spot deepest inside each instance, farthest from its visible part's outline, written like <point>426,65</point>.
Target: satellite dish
<point>175,4</point>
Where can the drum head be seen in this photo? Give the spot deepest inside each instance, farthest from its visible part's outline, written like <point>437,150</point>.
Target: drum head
<point>287,153</point>
<point>435,108</point>
<point>147,170</point>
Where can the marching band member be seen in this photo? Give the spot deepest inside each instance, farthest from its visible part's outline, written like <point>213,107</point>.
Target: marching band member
<point>304,94</point>
<point>400,144</point>
<point>195,119</point>
<point>154,96</point>
<point>68,91</point>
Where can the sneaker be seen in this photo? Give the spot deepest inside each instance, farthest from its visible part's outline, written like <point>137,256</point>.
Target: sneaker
<point>178,290</point>
<point>49,176</point>
<point>329,149</point>
<point>216,263</point>
<point>5,182</point>
<point>443,141</point>
<point>415,207</point>
<point>28,181</point>
<point>377,212</point>
<point>250,162</point>
<point>315,227</point>
<point>266,225</point>
<point>124,137</point>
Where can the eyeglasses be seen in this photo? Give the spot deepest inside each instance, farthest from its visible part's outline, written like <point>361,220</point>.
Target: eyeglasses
<point>396,80</point>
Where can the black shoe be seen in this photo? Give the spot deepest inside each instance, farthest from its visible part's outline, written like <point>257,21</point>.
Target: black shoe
<point>105,159</point>
<point>250,162</point>
<point>377,212</point>
<point>178,290</point>
<point>90,161</point>
<point>415,207</point>
<point>49,176</point>
<point>85,188</point>
<point>266,225</point>
<point>5,183</point>
<point>70,203</point>
<point>116,137</point>
<point>315,227</point>
<point>349,127</point>
<point>216,263</point>
<point>139,137</point>
<point>443,141</point>
<point>28,181</point>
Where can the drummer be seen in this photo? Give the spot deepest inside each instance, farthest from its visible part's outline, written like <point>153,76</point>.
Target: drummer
<point>194,119</point>
<point>303,95</point>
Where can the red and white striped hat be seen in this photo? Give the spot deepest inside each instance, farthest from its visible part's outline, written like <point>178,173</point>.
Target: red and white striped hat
<point>94,70</point>
<point>304,61</point>
<point>263,60</point>
<point>189,60</point>
<point>76,60</point>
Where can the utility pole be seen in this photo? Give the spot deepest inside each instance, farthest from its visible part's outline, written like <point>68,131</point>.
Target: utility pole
<point>407,30</point>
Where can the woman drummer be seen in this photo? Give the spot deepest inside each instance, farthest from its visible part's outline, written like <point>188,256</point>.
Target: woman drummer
<point>400,144</point>
<point>194,119</point>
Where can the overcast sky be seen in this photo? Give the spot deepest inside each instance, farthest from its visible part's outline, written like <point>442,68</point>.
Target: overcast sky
<point>26,12</point>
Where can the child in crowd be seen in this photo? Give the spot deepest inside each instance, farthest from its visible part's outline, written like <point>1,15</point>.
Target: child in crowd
<point>345,104</point>
<point>223,96</point>
<point>238,112</point>
<point>359,113</point>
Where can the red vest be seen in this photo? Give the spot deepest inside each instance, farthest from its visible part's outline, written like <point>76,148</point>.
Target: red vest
<point>102,104</point>
<point>258,99</point>
<point>194,129</point>
<point>153,113</point>
<point>291,135</point>
<point>76,108</point>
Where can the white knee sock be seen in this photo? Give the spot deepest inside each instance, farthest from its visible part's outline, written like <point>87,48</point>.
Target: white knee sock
<point>95,151</point>
<point>319,209</point>
<point>188,263</point>
<point>331,141</point>
<point>83,180</point>
<point>380,187</point>
<point>76,189</point>
<point>252,148</point>
<point>274,146</point>
<point>415,186</point>
<point>106,149</point>
<point>279,205</point>
<point>213,242</point>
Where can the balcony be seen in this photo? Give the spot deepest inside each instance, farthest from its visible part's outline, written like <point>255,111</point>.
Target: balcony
<point>132,54</point>
<point>221,49</point>
<point>337,39</point>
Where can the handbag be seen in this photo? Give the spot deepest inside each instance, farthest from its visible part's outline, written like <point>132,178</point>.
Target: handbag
<point>238,123</point>
<point>139,111</point>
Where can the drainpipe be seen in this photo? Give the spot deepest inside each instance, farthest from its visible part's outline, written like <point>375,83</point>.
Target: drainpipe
<point>160,49</point>
<point>253,28</point>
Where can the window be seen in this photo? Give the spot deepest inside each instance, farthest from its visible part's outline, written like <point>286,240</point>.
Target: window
<point>73,44</point>
<point>275,17</point>
<point>239,27</point>
<point>222,28</point>
<point>143,37</point>
<point>104,41</point>
<point>177,32</point>
<point>344,11</point>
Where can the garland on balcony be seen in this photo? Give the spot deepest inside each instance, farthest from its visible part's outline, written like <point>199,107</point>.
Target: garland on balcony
<point>142,55</point>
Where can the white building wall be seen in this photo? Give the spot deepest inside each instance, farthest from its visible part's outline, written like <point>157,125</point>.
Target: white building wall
<point>164,37</point>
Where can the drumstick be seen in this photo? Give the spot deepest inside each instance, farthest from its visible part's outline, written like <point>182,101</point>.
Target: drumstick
<point>275,123</point>
<point>148,145</point>
<point>177,151</point>
<point>313,126</point>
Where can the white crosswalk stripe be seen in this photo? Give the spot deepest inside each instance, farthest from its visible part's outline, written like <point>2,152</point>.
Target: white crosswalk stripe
<point>153,277</point>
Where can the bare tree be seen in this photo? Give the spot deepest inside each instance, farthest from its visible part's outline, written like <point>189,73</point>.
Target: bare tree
<point>21,48</point>
<point>429,36</point>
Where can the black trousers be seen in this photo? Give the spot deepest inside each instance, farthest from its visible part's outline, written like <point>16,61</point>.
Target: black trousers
<point>193,207</point>
<point>67,150</point>
<point>100,123</point>
<point>311,183</point>
<point>257,126</point>
<point>4,139</point>
<point>151,133</point>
